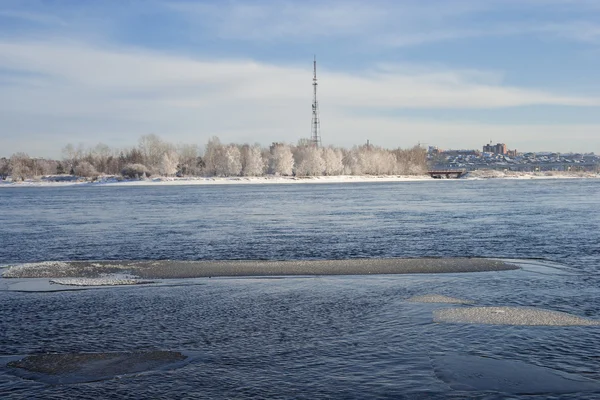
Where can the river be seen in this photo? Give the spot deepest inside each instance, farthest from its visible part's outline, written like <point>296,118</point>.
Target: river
<point>307,336</point>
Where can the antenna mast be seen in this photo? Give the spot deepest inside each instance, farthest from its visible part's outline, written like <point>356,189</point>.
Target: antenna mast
<point>315,137</point>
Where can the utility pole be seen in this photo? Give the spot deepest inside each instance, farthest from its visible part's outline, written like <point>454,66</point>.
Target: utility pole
<point>315,137</point>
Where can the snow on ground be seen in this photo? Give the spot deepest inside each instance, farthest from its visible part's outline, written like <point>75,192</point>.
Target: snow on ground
<point>488,174</point>
<point>174,181</point>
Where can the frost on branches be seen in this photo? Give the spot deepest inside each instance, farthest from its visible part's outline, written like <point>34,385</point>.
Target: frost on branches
<point>281,161</point>
<point>252,161</point>
<point>308,161</point>
<point>153,156</point>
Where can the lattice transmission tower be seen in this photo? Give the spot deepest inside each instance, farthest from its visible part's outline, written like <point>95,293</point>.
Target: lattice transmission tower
<point>315,136</point>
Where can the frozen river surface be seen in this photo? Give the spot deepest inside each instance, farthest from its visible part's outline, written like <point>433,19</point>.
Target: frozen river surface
<point>363,336</point>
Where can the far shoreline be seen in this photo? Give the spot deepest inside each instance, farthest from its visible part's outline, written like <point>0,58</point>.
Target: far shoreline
<point>246,180</point>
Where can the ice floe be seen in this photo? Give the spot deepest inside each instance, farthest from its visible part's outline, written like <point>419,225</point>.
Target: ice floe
<point>197,269</point>
<point>509,316</point>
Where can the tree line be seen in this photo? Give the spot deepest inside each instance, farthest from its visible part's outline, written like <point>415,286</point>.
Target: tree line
<point>155,157</point>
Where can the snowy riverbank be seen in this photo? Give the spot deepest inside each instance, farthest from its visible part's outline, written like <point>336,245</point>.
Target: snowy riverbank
<point>174,181</point>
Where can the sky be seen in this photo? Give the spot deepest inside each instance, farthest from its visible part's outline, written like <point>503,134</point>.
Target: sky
<point>455,74</point>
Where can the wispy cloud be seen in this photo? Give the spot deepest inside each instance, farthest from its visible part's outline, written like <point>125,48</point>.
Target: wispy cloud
<point>307,20</point>
<point>135,72</point>
<point>389,23</point>
<point>252,20</point>
<point>361,25</point>
<point>75,71</point>
<point>101,89</point>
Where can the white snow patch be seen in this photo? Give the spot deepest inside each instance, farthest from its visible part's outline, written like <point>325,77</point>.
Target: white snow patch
<point>103,281</point>
<point>174,181</point>
<point>61,269</point>
<point>39,269</point>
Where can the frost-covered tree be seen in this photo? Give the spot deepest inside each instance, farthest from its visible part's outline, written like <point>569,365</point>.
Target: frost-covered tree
<point>85,170</point>
<point>222,160</point>
<point>169,162</point>
<point>308,161</point>
<point>72,155</point>
<point>135,171</point>
<point>152,148</point>
<point>113,165</point>
<point>373,160</point>
<point>412,161</point>
<point>156,156</point>
<point>252,161</point>
<point>350,162</point>
<point>281,159</point>
<point>20,167</point>
<point>99,156</point>
<point>212,155</point>
<point>132,156</point>
<point>332,160</point>
<point>42,166</point>
<point>189,161</point>
<point>230,164</point>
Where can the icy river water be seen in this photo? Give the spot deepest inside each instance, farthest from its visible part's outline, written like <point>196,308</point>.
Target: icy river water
<point>312,336</point>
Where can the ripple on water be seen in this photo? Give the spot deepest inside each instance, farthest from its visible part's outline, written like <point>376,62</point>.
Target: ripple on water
<point>465,372</point>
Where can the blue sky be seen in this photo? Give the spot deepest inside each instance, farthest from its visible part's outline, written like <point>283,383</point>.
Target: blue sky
<point>453,73</point>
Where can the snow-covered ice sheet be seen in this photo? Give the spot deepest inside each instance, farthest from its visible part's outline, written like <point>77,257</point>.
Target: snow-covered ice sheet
<point>509,316</point>
<point>170,269</point>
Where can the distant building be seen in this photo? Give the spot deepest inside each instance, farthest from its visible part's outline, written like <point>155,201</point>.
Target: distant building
<point>498,148</point>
